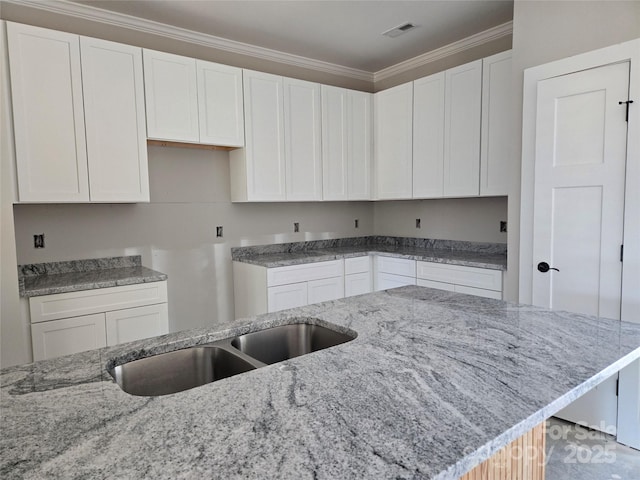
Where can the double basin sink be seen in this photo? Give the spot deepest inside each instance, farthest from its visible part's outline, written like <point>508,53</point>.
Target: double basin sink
<point>180,370</point>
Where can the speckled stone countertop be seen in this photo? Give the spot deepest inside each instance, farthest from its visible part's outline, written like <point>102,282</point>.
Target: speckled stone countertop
<point>472,254</point>
<point>74,275</point>
<point>434,383</point>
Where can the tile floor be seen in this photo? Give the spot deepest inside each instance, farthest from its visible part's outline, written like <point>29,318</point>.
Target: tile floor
<point>575,453</point>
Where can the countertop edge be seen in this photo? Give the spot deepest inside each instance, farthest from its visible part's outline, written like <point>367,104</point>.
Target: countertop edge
<point>82,286</point>
<point>325,257</point>
<point>485,452</point>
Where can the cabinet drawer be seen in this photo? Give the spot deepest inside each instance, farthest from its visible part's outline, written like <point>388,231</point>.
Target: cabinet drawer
<point>304,273</point>
<point>74,304</point>
<point>67,336</point>
<point>461,275</point>
<point>385,281</point>
<point>396,266</point>
<point>136,323</point>
<point>357,265</point>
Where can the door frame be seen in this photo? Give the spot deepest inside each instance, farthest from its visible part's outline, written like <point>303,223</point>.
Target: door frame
<point>627,51</point>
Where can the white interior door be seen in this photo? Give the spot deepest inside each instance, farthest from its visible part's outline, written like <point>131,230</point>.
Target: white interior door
<point>579,205</point>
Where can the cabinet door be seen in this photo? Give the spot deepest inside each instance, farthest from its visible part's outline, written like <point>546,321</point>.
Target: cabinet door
<point>357,284</point>
<point>393,142</point>
<point>497,124</point>
<point>70,335</point>
<point>264,131</point>
<point>334,143</point>
<point>171,97</point>
<point>287,296</point>
<point>113,93</point>
<point>428,136</point>
<point>48,115</point>
<point>136,323</point>
<point>385,281</point>
<point>220,104</point>
<point>302,132</point>
<point>463,99</point>
<point>359,142</point>
<point>325,289</point>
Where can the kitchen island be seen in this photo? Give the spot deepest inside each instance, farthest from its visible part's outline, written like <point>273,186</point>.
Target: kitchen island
<point>435,383</point>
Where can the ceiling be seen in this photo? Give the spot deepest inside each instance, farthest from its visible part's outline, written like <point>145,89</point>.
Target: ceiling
<point>345,33</point>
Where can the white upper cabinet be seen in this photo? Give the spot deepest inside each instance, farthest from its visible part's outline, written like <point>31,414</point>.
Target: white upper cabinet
<point>78,118</point>
<point>220,104</point>
<point>302,120</point>
<point>497,124</point>
<point>282,158</point>
<point>193,101</point>
<point>334,143</point>
<point>428,136</point>
<point>394,142</point>
<point>48,115</point>
<point>171,97</point>
<point>113,94</point>
<point>359,131</point>
<point>346,144</point>
<point>463,102</point>
<point>258,170</point>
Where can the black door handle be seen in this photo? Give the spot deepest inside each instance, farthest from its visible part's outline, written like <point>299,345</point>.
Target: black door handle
<point>544,267</point>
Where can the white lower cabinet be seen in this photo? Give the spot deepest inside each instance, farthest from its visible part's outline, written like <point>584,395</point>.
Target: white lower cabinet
<point>384,281</point>
<point>66,323</point>
<point>136,323</point>
<point>392,272</point>
<point>325,289</point>
<point>282,297</point>
<point>299,285</point>
<point>70,335</point>
<point>357,276</point>
<point>357,284</point>
<point>481,282</point>
<point>259,289</point>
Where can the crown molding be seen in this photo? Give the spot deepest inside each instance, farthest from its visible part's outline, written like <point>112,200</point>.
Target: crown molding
<point>480,38</point>
<point>87,12</point>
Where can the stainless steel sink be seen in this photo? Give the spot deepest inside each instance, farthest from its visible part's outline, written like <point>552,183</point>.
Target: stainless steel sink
<point>288,341</point>
<point>177,371</point>
<point>174,372</point>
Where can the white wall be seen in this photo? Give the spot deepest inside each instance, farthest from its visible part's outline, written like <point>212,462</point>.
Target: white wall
<point>176,234</point>
<point>544,31</point>
<point>467,219</point>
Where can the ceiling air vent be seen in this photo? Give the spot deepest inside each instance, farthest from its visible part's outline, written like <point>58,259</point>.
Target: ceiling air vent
<point>399,30</point>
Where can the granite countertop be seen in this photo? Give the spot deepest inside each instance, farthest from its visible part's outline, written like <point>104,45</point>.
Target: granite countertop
<point>72,276</point>
<point>434,383</point>
<point>471,254</point>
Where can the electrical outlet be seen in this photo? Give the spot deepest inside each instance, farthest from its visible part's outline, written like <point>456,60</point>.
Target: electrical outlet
<point>219,231</point>
<point>503,226</point>
<point>38,240</point>
<point>418,223</point>
<point>356,223</point>
<point>296,227</point>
